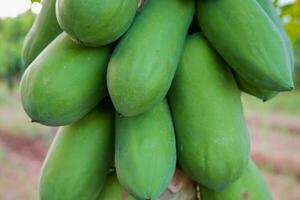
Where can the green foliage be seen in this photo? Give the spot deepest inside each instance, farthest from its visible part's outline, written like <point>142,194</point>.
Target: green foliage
<point>12,33</point>
<point>290,14</point>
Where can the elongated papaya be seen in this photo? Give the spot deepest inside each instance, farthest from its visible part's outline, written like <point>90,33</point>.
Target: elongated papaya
<point>44,29</point>
<point>64,82</point>
<point>250,186</point>
<point>145,154</point>
<point>95,23</point>
<point>268,6</point>
<point>143,64</point>
<point>212,139</point>
<point>112,190</point>
<point>78,161</point>
<point>248,40</point>
<point>251,89</point>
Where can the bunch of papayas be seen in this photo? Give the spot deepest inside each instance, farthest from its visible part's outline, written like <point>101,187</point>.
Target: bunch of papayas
<point>141,88</point>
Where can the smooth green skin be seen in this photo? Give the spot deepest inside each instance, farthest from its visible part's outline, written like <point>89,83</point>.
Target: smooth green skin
<point>112,190</point>
<point>145,155</point>
<point>105,21</point>
<point>248,40</point>
<point>44,29</point>
<point>212,139</point>
<point>249,87</point>
<point>143,64</point>
<point>79,158</point>
<point>251,186</point>
<point>64,82</point>
<point>268,6</point>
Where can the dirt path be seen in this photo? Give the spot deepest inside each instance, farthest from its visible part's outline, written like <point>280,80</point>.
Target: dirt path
<point>20,165</point>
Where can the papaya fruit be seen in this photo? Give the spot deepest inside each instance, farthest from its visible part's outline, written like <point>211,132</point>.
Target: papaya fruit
<point>79,158</point>
<point>212,138</point>
<point>143,64</point>
<point>250,186</point>
<point>44,29</point>
<point>95,23</point>
<point>268,7</point>
<point>112,190</point>
<point>145,154</point>
<point>251,89</point>
<point>254,46</point>
<point>64,82</point>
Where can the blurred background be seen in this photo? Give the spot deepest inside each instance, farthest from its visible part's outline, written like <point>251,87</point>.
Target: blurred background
<point>274,126</point>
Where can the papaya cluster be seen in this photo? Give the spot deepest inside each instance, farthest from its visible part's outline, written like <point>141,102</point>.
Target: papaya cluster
<point>141,88</point>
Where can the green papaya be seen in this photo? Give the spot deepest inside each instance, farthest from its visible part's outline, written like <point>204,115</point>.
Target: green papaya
<point>64,82</point>
<point>268,6</point>
<point>250,186</point>
<point>44,29</point>
<point>79,158</point>
<point>248,40</point>
<point>112,190</point>
<point>143,64</point>
<point>251,89</point>
<point>145,155</point>
<point>95,23</point>
<point>212,138</point>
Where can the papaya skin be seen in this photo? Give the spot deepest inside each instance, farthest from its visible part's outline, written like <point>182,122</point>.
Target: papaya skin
<point>268,6</point>
<point>259,55</point>
<point>251,88</point>
<point>44,29</point>
<point>64,82</point>
<point>112,190</point>
<point>141,69</point>
<point>212,138</point>
<point>145,154</point>
<point>250,186</point>
<point>105,21</point>
<point>79,158</point>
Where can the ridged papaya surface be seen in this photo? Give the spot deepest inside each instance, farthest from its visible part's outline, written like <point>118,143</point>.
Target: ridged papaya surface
<point>249,41</point>
<point>112,190</point>
<point>79,158</point>
<point>250,186</point>
<point>212,139</point>
<point>145,155</point>
<point>44,29</point>
<point>251,89</point>
<point>95,22</point>
<point>143,64</point>
<point>268,7</point>
<point>64,82</point>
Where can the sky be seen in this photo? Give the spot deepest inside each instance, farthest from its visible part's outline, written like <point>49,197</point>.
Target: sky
<point>12,8</point>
